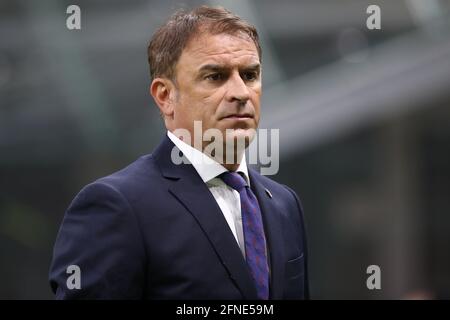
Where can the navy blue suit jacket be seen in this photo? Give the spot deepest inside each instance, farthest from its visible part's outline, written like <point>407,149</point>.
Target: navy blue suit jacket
<point>154,231</point>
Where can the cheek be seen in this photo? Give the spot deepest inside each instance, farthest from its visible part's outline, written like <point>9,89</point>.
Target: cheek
<point>191,102</point>
<point>212,102</point>
<point>257,91</point>
<point>199,107</point>
<point>256,99</point>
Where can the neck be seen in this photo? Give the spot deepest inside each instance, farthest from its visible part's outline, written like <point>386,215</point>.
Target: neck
<point>231,167</point>
<point>228,158</point>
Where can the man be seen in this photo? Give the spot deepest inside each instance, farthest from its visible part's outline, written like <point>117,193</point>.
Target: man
<point>199,229</point>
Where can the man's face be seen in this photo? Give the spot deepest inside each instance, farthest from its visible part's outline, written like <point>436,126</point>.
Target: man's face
<point>218,81</point>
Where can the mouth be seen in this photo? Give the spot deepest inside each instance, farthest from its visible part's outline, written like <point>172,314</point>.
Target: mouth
<point>244,116</point>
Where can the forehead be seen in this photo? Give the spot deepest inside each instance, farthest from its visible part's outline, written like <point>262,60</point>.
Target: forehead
<point>220,48</point>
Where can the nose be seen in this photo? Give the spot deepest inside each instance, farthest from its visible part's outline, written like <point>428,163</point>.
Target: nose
<point>237,90</point>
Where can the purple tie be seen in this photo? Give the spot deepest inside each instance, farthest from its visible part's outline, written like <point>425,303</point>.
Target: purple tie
<point>255,242</point>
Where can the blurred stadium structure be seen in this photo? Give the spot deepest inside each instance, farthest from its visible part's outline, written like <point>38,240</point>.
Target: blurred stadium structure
<point>363,117</point>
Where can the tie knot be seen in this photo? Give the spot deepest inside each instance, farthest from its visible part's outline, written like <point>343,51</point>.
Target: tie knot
<point>234,180</point>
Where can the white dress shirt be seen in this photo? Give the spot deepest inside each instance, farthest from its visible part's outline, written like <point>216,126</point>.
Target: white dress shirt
<point>227,198</point>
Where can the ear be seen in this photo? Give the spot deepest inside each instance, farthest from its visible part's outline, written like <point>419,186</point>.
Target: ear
<point>163,92</point>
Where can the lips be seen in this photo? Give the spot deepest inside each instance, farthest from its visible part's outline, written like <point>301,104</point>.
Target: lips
<point>239,116</point>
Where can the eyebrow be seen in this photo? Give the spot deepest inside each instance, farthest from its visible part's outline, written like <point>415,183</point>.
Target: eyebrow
<point>221,67</point>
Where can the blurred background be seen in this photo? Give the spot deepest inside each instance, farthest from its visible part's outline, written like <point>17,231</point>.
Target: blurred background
<point>363,118</point>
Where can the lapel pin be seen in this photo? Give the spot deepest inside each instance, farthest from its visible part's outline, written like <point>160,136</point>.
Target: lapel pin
<point>268,193</point>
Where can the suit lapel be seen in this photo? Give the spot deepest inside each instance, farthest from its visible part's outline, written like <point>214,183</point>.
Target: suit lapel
<point>185,184</point>
<point>273,231</point>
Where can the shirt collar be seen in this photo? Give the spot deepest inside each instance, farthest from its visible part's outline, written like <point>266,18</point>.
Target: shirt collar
<point>206,167</point>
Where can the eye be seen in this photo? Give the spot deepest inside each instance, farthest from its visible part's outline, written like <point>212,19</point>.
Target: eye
<point>250,76</point>
<point>214,76</point>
